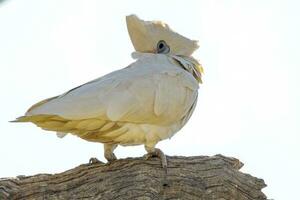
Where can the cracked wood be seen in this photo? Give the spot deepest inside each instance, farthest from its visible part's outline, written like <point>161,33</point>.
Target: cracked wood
<point>199,177</point>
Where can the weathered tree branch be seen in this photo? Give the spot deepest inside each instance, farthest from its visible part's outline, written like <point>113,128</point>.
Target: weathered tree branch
<point>200,177</point>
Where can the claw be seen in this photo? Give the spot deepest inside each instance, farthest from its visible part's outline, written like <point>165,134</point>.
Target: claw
<point>94,160</point>
<point>158,153</point>
<point>109,152</point>
<point>110,157</point>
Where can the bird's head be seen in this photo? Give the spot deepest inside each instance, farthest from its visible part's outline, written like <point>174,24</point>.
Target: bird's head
<point>157,37</point>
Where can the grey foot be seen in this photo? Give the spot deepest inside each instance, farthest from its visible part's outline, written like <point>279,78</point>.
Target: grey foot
<point>157,153</point>
<point>154,152</point>
<point>110,157</point>
<point>109,152</point>
<point>94,160</point>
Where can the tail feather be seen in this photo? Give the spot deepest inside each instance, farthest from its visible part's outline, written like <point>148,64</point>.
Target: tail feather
<point>34,118</point>
<point>89,129</point>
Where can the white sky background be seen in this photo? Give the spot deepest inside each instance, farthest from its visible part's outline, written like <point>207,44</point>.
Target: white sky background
<point>248,105</point>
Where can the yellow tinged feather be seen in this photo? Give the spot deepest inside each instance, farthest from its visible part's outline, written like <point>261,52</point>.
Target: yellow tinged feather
<point>39,118</point>
<point>84,133</point>
<point>201,68</point>
<point>81,133</point>
<point>107,126</point>
<point>76,132</point>
<point>90,124</point>
<point>95,124</point>
<point>58,118</point>
<point>52,125</point>
<point>95,137</point>
<point>82,124</point>
<point>71,124</point>
<point>64,129</point>
<point>120,123</point>
<point>116,133</point>
<point>35,118</point>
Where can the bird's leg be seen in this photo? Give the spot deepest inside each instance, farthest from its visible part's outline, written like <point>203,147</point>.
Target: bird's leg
<point>109,152</point>
<point>155,152</point>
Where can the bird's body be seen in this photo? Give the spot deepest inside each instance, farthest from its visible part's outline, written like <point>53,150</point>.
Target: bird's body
<point>144,103</point>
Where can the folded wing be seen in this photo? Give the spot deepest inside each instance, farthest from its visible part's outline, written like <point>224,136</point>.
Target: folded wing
<point>151,90</point>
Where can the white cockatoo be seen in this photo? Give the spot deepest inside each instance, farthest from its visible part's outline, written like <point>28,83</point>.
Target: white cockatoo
<point>144,103</point>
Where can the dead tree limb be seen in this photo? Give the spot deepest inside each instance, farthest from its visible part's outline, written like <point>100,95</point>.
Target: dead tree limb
<point>199,177</point>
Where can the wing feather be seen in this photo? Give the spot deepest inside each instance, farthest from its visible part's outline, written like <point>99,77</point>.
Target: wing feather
<point>151,90</point>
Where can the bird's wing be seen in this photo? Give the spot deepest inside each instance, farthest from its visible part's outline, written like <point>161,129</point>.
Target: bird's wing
<point>151,90</point>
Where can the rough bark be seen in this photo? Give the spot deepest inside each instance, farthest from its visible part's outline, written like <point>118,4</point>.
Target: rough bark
<point>200,177</point>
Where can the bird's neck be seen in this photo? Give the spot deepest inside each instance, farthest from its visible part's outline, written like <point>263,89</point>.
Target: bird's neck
<point>191,65</point>
<point>188,63</point>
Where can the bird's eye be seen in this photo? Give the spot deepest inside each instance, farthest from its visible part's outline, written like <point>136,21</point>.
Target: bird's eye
<point>162,47</point>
